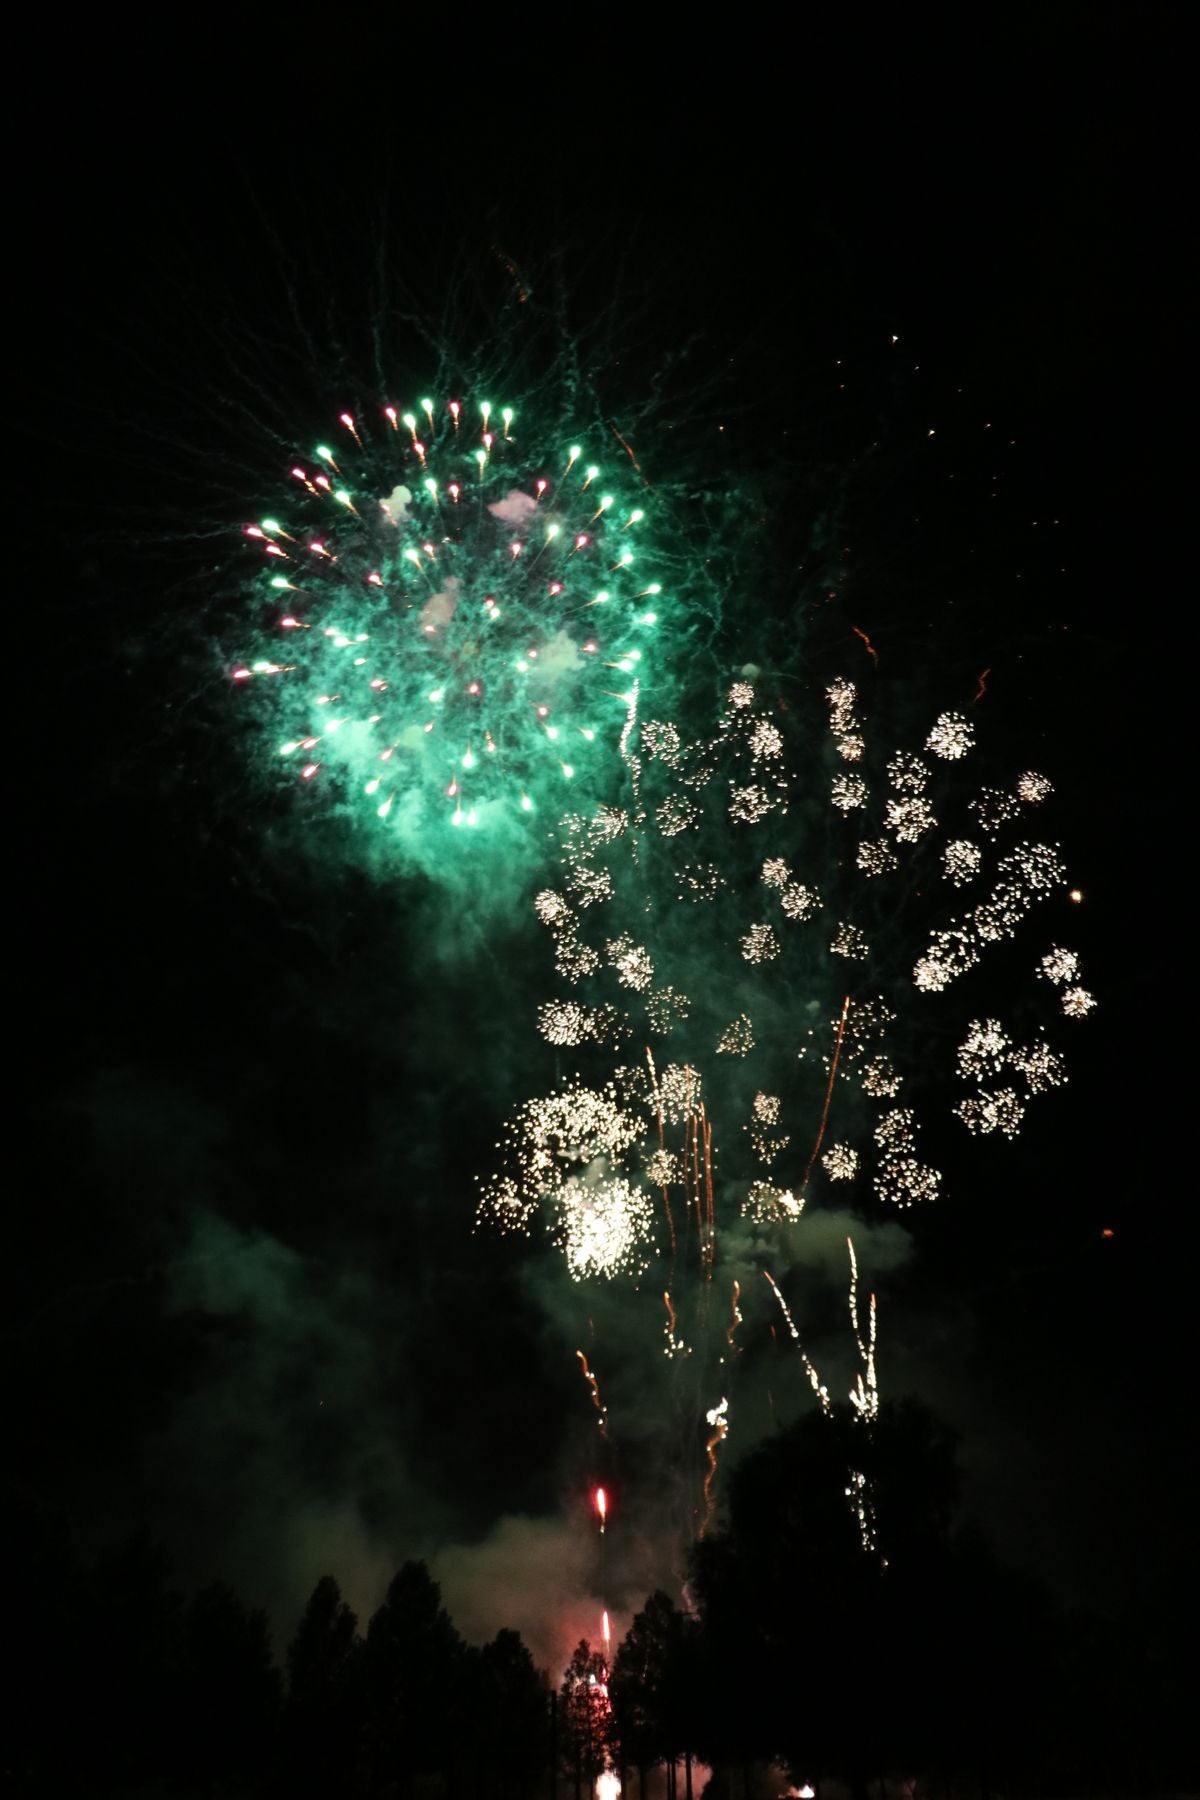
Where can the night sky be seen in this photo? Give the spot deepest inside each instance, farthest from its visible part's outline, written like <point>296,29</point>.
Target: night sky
<point>246,1307</point>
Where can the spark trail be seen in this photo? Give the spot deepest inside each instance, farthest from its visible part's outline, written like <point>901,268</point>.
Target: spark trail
<point>594,1387</point>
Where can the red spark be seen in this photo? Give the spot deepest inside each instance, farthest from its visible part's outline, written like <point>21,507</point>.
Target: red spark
<point>833,1067</point>
<point>628,449</point>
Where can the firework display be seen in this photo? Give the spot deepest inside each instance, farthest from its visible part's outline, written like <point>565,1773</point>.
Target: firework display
<point>768,977</point>
<point>773,994</point>
<point>453,613</point>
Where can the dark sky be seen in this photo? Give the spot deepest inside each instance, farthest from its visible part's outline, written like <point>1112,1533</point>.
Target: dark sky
<point>246,1308</point>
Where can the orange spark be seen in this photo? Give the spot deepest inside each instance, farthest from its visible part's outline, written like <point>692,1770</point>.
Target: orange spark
<point>719,1421</point>
<point>982,688</point>
<point>510,265</point>
<point>837,1051</point>
<point>711,1244</point>
<point>595,1387</point>
<point>628,449</point>
<point>736,1318</point>
<point>866,640</point>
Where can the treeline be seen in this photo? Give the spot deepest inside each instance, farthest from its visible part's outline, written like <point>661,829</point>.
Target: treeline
<point>916,1656</point>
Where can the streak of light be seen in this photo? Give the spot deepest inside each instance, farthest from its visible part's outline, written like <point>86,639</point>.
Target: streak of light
<point>628,449</point>
<point>817,1385</point>
<point>736,1318</point>
<point>595,1387</point>
<point>718,1418</point>
<point>833,1067</point>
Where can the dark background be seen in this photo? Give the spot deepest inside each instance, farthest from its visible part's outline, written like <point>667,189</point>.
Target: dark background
<point>245,1308</point>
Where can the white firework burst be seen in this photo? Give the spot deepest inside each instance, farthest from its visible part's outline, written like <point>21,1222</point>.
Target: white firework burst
<point>848,792</point>
<point>952,736</point>
<point>840,1162</point>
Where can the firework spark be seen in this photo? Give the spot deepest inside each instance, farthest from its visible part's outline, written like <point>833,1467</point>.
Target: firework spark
<point>718,1418</point>
<point>594,1387</point>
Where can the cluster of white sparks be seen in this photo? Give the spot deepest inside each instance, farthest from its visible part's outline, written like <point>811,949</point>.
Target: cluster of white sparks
<point>767,1204</point>
<point>952,736</point>
<point>840,1162</point>
<point>603,918</point>
<point>565,1157</point>
<point>1062,968</point>
<point>899,1177</point>
<point>764,1113</point>
<point>1029,874</point>
<point>602,1227</point>
<point>760,944</point>
<point>961,861</point>
<point>738,1038</point>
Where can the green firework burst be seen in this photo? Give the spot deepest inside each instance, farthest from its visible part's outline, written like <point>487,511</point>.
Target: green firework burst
<point>456,618</point>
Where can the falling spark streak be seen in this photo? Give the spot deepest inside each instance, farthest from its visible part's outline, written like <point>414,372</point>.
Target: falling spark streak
<point>982,689</point>
<point>595,1387</point>
<point>665,1194</point>
<point>710,1228</point>
<point>871,652</point>
<point>514,274</point>
<point>736,1319</point>
<point>833,1067</point>
<point>602,1508</point>
<point>817,1385</point>
<point>628,449</point>
<point>864,1396</point>
<point>718,1418</point>
<point>675,1344</point>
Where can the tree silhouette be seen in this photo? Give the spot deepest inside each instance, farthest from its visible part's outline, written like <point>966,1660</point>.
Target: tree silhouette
<point>230,1691</point>
<point>653,1690</point>
<point>130,1661</point>
<point>503,1712</point>
<point>584,1716</point>
<point>818,1652</point>
<point>46,1589</point>
<point>411,1664</point>
<point>323,1715</point>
